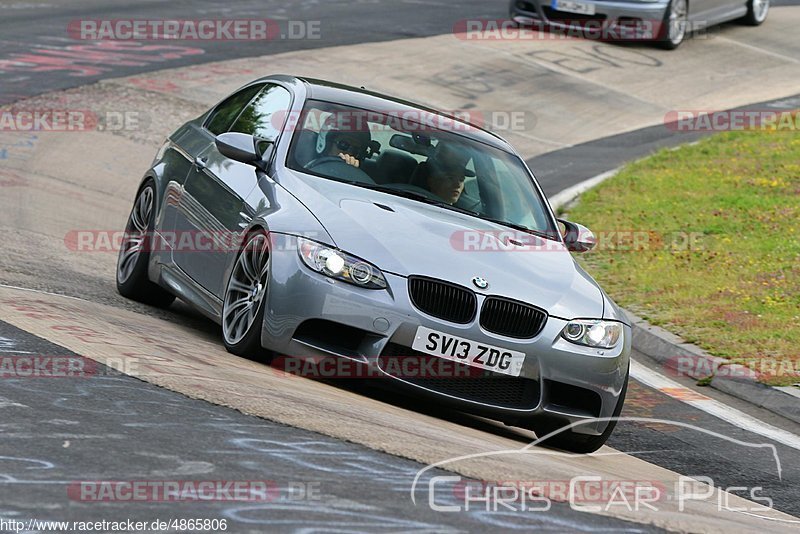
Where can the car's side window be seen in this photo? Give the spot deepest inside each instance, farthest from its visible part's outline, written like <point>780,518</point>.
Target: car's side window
<point>266,114</point>
<point>223,116</point>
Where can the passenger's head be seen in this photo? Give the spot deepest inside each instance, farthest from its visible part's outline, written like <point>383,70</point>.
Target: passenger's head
<point>342,134</point>
<point>447,170</point>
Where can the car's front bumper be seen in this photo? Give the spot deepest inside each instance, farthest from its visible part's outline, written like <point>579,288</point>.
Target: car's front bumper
<point>360,325</point>
<point>612,19</point>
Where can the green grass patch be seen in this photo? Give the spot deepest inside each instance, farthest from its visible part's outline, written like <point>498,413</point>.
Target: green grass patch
<point>705,241</point>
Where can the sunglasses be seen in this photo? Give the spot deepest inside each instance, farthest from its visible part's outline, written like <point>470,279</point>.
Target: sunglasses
<point>349,148</point>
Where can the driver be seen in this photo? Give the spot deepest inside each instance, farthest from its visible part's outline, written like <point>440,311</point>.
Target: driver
<point>338,138</point>
<point>447,171</point>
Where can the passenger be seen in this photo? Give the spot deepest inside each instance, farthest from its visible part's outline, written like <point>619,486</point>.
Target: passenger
<point>447,171</point>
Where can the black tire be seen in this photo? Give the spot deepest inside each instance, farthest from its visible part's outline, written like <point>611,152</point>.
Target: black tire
<point>665,38</point>
<point>757,11</point>
<point>247,344</point>
<point>572,441</point>
<point>131,272</point>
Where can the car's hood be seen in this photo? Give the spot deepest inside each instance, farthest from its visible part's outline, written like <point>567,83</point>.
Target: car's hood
<point>406,237</point>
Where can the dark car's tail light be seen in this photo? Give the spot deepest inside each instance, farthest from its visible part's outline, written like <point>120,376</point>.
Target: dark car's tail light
<point>446,301</point>
<point>511,318</point>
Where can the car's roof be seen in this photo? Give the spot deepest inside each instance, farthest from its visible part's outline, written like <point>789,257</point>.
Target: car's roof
<point>362,98</point>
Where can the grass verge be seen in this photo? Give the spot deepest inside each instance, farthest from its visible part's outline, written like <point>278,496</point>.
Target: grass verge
<point>705,242</point>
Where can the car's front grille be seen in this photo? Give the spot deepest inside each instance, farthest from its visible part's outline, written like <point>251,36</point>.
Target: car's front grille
<point>571,19</point>
<point>462,381</point>
<point>511,318</point>
<point>443,300</point>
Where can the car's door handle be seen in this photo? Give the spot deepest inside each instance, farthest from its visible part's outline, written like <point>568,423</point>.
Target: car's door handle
<point>200,162</point>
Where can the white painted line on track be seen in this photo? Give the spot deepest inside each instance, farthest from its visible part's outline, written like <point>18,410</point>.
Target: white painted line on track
<point>759,49</point>
<point>713,407</point>
<point>7,403</point>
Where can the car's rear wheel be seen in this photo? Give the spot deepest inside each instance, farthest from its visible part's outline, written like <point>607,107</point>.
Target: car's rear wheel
<point>756,12</point>
<point>243,306</point>
<point>571,441</point>
<point>674,27</point>
<point>134,254</point>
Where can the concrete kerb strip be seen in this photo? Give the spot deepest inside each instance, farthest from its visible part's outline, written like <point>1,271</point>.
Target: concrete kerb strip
<point>570,194</point>
<point>677,357</point>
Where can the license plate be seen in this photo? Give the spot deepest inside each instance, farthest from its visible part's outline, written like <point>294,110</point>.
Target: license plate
<point>573,7</point>
<point>468,352</point>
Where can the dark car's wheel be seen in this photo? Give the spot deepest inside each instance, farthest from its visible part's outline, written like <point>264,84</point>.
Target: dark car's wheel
<point>674,27</point>
<point>243,307</point>
<point>572,441</point>
<point>756,12</point>
<point>134,254</point>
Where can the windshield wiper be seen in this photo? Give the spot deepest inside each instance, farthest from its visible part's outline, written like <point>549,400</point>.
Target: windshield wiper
<point>521,228</point>
<point>400,193</point>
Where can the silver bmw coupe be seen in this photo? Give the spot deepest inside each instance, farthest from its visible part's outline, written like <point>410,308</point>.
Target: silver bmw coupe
<point>318,221</point>
<point>667,22</point>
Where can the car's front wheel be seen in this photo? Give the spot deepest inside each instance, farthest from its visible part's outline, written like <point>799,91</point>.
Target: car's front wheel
<point>243,307</point>
<point>675,25</point>
<point>571,441</point>
<point>134,254</point>
<point>756,12</point>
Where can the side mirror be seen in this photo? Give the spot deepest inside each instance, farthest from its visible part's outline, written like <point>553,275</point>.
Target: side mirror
<point>578,238</point>
<point>243,148</point>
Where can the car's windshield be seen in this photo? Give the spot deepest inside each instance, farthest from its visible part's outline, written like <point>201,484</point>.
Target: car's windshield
<point>423,158</point>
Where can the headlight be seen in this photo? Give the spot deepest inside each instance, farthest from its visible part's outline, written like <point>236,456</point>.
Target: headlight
<point>593,333</point>
<point>340,265</point>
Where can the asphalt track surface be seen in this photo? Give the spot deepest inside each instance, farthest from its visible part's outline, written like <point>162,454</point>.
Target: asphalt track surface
<point>36,32</point>
<point>113,427</point>
<point>117,427</point>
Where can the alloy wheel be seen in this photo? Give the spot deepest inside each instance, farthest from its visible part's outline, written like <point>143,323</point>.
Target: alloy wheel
<point>135,234</point>
<point>677,21</point>
<point>760,8</point>
<point>246,289</point>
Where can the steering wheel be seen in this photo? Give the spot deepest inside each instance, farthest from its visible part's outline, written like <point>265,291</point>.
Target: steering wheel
<point>336,167</point>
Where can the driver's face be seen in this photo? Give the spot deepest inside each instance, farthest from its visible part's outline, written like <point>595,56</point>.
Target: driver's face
<point>446,183</point>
